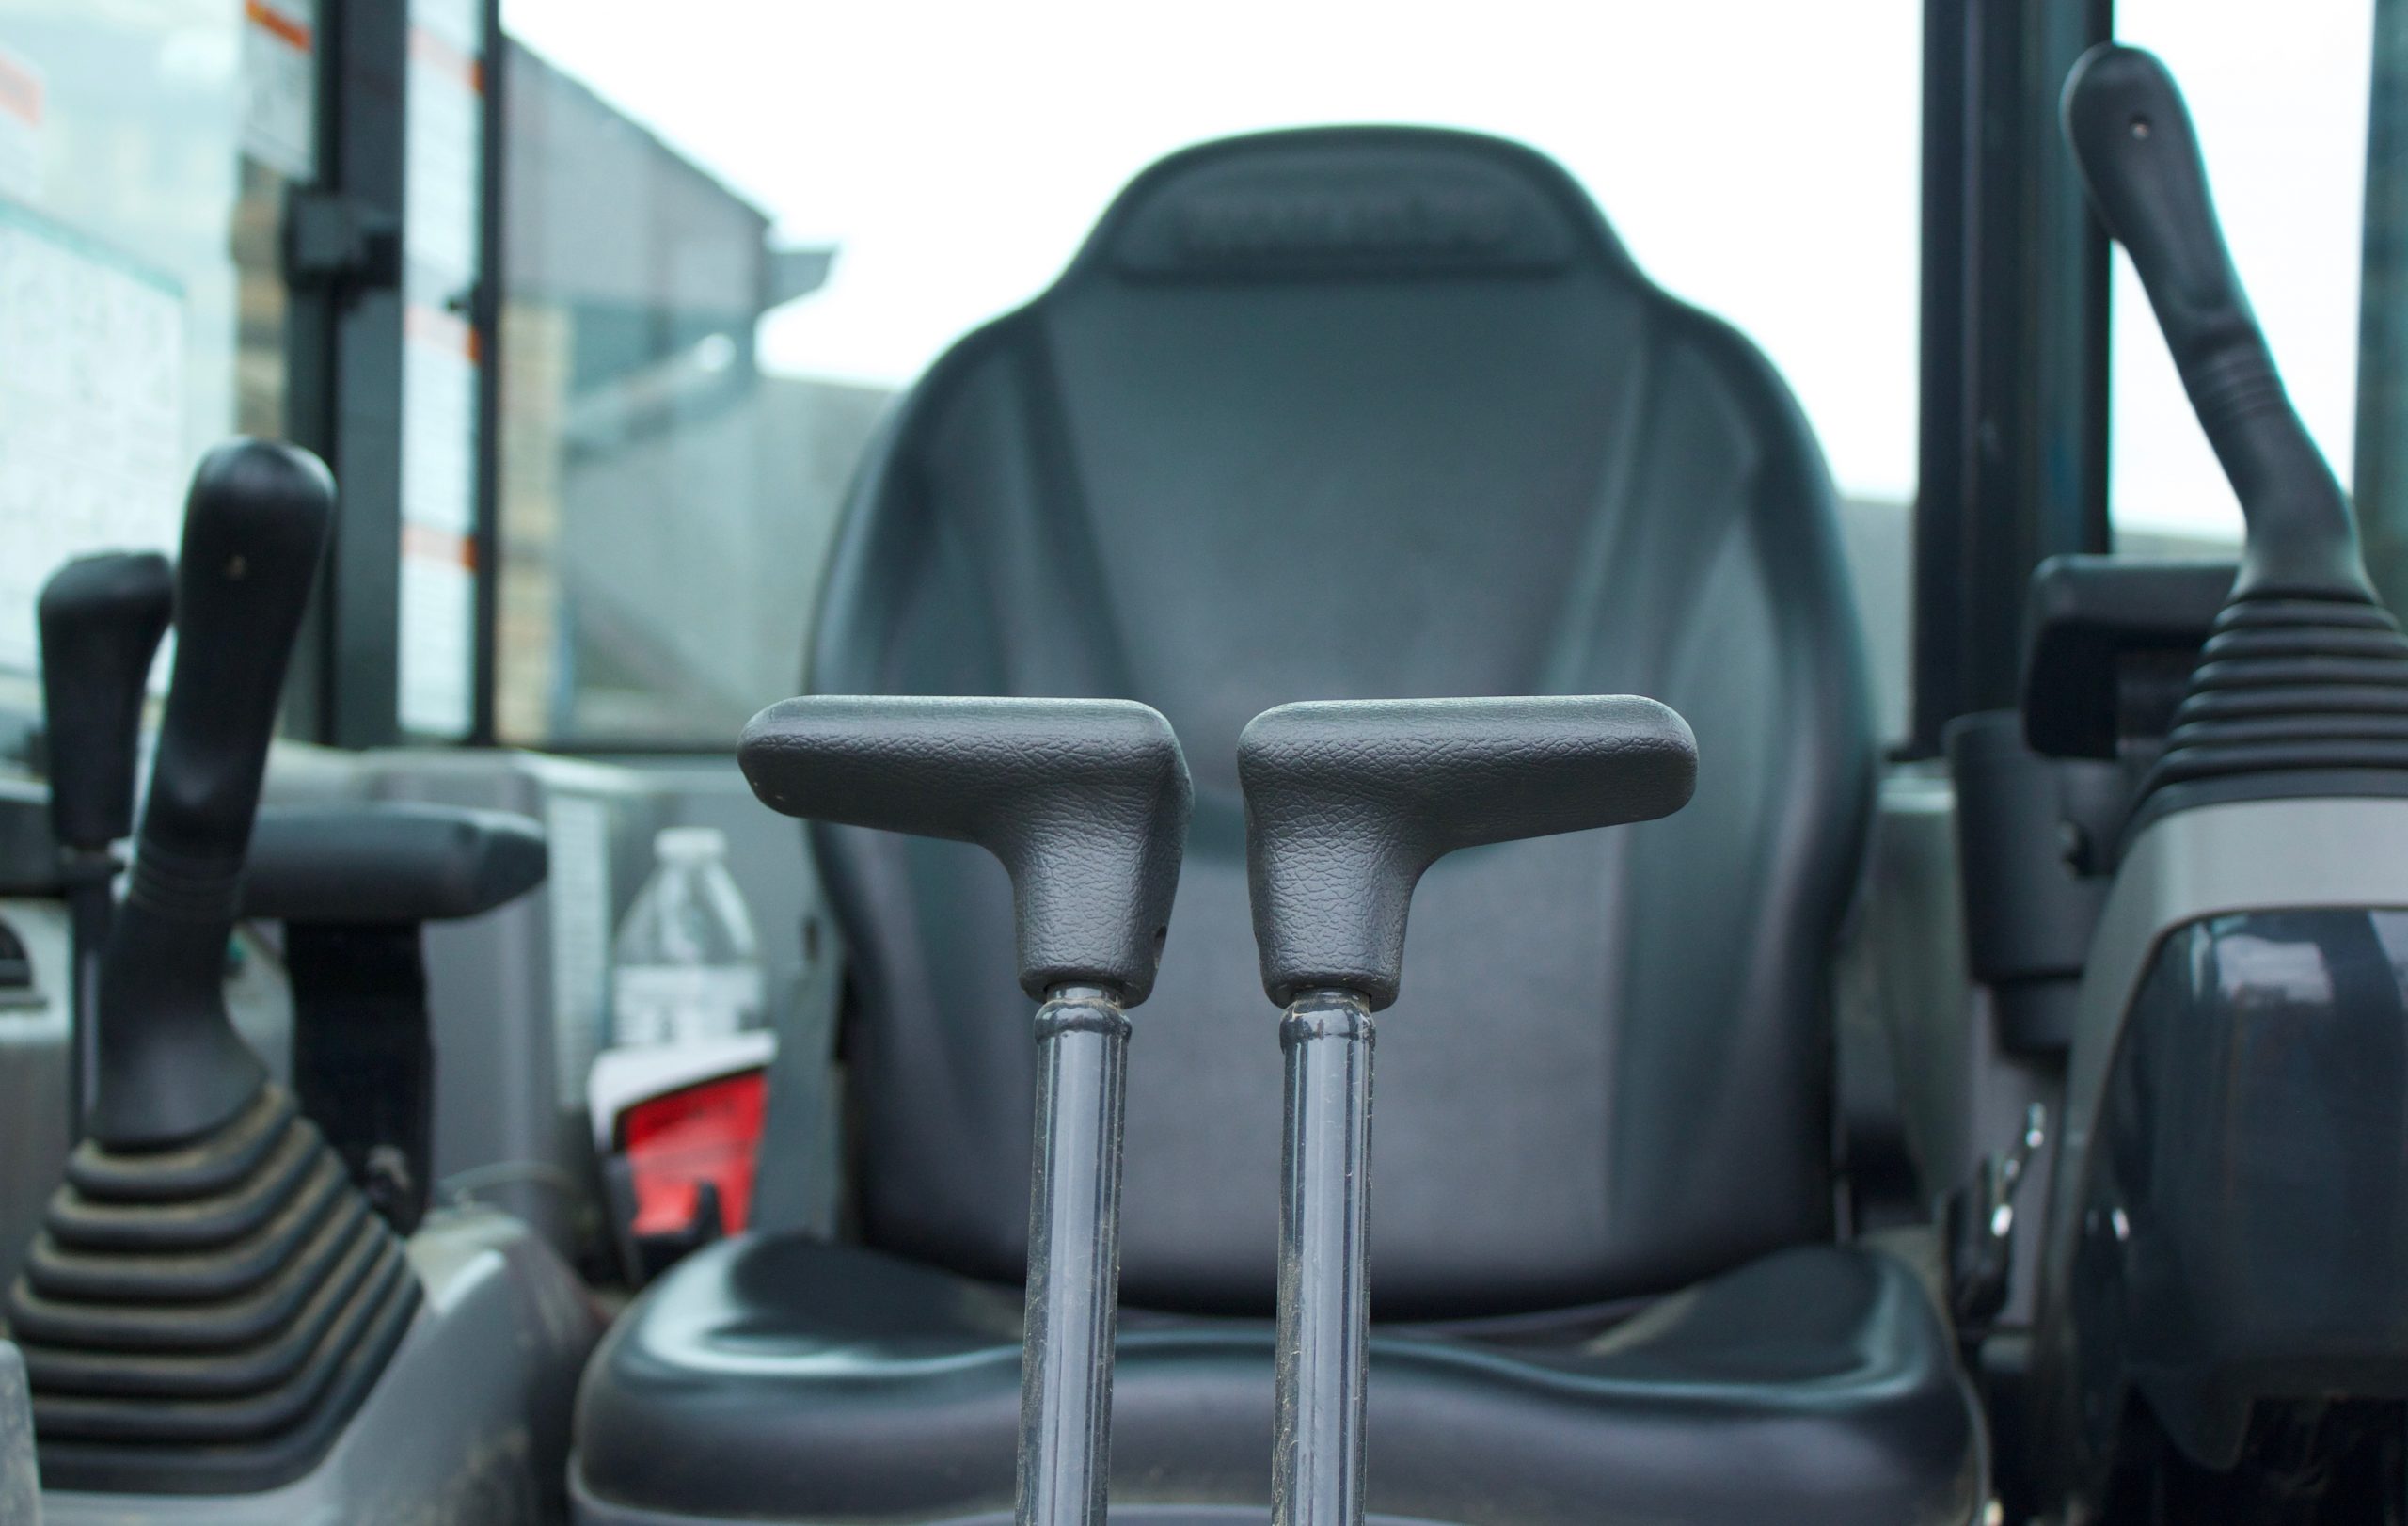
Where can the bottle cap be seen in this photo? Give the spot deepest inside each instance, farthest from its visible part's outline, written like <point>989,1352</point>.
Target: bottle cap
<point>690,842</point>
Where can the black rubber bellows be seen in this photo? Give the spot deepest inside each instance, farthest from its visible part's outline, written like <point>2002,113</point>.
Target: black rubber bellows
<point>2291,684</point>
<point>202,1319</point>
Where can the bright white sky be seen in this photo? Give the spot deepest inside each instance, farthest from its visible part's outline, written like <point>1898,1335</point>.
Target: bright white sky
<point>1758,156</point>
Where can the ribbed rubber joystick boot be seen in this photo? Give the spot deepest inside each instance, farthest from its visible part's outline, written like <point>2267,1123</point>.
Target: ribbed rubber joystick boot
<point>2292,684</point>
<point>203,1319</point>
<point>210,1297</point>
<point>2306,674</point>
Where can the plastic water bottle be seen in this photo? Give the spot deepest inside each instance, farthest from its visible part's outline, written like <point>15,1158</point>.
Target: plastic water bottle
<point>678,1100</point>
<point>685,966</point>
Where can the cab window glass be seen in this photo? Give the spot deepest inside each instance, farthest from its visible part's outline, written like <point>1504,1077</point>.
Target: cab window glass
<point>145,151</point>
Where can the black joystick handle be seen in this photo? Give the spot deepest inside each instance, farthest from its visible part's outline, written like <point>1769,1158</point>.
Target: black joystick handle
<point>100,619</point>
<point>1347,803</point>
<point>1086,801</point>
<point>171,1066</point>
<point>2132,137</point>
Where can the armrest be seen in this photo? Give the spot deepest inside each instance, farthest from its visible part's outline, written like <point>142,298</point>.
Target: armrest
<point>390,861</point>
<point>2094,617</point>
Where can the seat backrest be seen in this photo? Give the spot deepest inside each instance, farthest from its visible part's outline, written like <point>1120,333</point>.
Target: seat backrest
<point>1345,413</point>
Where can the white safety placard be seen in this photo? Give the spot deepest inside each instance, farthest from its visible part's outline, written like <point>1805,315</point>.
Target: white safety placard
<point>577,892</point>
<point>280,86</point>
<point>22,102</point>
<point>439,521</point>
<point>92,410</point>
<point>439,368</point>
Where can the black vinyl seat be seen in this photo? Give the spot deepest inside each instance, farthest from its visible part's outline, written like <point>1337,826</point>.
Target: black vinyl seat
<point>1801,1388</point>
<point>1330,414</point>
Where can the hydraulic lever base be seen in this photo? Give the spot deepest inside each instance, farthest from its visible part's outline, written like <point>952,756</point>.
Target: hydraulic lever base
<point>1074,1258</point>
<point>1324,1264</point>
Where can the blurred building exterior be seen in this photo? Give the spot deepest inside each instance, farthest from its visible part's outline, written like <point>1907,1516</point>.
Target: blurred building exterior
<point>664,506</point>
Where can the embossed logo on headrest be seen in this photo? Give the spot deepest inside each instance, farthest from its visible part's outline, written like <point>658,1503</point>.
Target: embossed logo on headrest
<point>1342,207</point>
<point>1377,225</point>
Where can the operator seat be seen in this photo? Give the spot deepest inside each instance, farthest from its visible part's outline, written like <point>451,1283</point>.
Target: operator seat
<point>1331,414</point>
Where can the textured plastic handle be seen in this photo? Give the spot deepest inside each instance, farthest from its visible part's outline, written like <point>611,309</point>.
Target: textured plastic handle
<point>255,528</point>
<point>100,619</point>
<point>1348,803</point>
<point>1085,801</point>
<point>172,1067</point>
<point>2132,135</point>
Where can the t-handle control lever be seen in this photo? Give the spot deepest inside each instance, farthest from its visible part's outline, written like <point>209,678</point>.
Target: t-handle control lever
<point>100,618</point>
<point>170,1066</point>
<point>2132,138</point>
<point>1086,802</point>
<point>1346,804</point>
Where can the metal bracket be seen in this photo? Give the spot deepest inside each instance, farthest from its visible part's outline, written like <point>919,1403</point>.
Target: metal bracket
<point>336,242</point>
<point>1980,1225</point>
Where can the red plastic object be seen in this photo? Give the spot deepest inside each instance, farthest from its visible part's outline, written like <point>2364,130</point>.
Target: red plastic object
<point>706,1132</point>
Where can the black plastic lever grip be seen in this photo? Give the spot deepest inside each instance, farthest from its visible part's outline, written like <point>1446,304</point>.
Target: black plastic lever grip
<point>170,1064</point>
<point>1347,803</point>
<point>1085,801</point>
<point>255,528</point>
<point>100,619</point>
<point>2132,138</point>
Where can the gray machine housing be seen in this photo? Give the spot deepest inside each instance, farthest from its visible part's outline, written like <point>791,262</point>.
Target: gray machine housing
<point>2161,1234</point>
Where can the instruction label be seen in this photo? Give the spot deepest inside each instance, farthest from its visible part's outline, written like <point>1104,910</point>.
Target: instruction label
<point>578,895</point>
<point>92,410</point>
<point>439,368</point>
<point>280,86</point>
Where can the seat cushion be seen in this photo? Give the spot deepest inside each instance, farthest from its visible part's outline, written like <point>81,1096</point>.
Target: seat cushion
<point>778,1378</point>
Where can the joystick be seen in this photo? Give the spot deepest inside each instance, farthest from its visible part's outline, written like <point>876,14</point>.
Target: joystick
<point>100,618</point>
<point>210,1297</point>
<point>2302,687</point>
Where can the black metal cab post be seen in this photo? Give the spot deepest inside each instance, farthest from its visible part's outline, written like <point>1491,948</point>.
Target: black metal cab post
<point>2012,457</point>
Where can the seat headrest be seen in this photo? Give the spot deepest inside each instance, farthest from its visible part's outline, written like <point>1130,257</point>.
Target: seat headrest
<point>1348,202</point>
